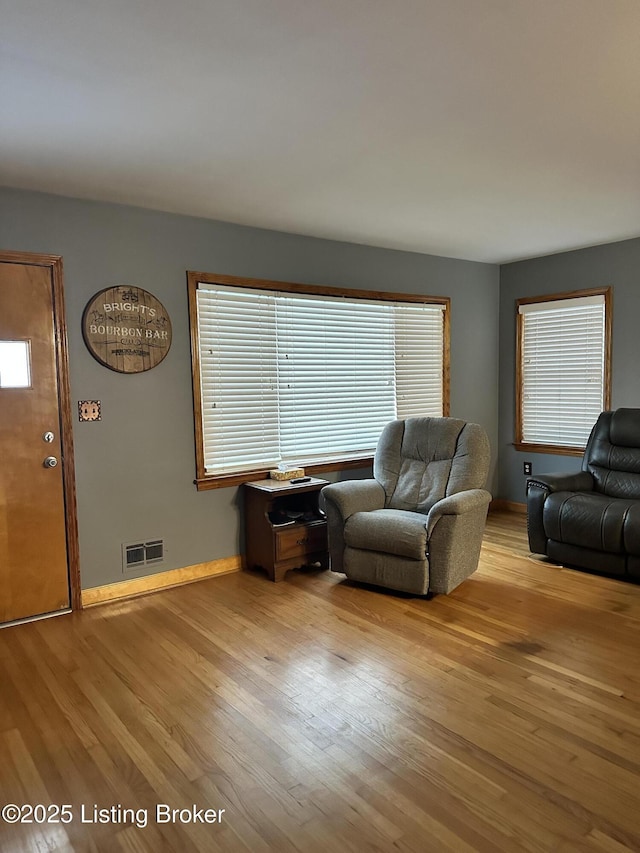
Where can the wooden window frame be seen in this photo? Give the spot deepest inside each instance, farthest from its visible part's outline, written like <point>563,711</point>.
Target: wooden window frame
<point>204,481</point>
<point>561,450</point>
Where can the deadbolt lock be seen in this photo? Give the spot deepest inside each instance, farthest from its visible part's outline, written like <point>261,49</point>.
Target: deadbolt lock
<point>48,437</point>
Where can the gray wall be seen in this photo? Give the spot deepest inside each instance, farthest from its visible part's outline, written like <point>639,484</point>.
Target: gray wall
<point>135,468</point>
<point>615,264</point>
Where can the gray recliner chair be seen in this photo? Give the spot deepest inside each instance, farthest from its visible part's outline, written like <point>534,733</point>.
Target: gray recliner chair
<point>417,526</point>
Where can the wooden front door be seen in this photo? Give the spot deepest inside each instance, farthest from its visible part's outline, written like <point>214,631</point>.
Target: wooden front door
<point>38,537</point>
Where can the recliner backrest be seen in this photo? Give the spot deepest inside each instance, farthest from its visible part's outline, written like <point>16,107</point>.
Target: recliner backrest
<point>418,461</point>
<point>612,454</point>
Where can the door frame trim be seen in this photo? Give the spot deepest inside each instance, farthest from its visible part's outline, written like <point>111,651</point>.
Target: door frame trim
<point>54,264</point>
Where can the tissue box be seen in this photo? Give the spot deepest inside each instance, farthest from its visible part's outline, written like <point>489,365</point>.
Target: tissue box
<point>288,474</point>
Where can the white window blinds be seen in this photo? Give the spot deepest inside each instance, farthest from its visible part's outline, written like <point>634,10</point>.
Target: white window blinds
<point>563,369</point>
<point>303,378</point>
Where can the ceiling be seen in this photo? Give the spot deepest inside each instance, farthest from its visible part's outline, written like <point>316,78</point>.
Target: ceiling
<point>491,130</point>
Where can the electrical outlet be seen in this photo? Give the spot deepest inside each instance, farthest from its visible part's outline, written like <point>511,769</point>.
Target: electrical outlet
<point>89,410</point>
<point>527,468</point>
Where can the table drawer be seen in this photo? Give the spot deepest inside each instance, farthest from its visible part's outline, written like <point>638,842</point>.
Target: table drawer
<point>300,539</point>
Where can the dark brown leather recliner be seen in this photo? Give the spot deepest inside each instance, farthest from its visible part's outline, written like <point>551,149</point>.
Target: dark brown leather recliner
<point>591,519</point>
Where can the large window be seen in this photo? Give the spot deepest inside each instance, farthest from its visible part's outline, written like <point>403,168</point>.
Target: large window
<point>307,375</point>
<point>563,369</point>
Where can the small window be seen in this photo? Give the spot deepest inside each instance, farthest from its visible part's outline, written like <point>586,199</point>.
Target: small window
<point>15,364</point>
<point>563,369</point>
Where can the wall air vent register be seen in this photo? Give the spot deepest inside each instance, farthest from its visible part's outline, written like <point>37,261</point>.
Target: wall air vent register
<point>137,555</point>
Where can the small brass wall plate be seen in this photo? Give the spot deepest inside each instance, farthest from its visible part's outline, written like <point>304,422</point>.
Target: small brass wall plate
<point>89,410</point>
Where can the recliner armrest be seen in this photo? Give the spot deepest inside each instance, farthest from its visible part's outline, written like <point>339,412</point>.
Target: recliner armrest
<point>462,502</point>
<point>352,496</point>
<point>581,481</point>
<point>538,490</point>
<point>454,528</point>
<point>342,500</point>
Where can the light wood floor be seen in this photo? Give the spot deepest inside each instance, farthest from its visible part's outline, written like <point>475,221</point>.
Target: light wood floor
<point>323,716</point>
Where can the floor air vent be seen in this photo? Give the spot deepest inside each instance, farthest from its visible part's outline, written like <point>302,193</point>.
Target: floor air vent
<point>137,555</point>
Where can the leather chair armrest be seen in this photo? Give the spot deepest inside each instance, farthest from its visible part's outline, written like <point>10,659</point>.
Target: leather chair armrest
<point>581,481</point>
<point>538,489</point>
<point>352,496</point>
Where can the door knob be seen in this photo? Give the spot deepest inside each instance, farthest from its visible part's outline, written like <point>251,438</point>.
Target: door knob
<point>50,462</point>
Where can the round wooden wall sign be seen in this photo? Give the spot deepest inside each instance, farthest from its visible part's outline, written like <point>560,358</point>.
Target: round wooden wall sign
<point>127,329</point>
